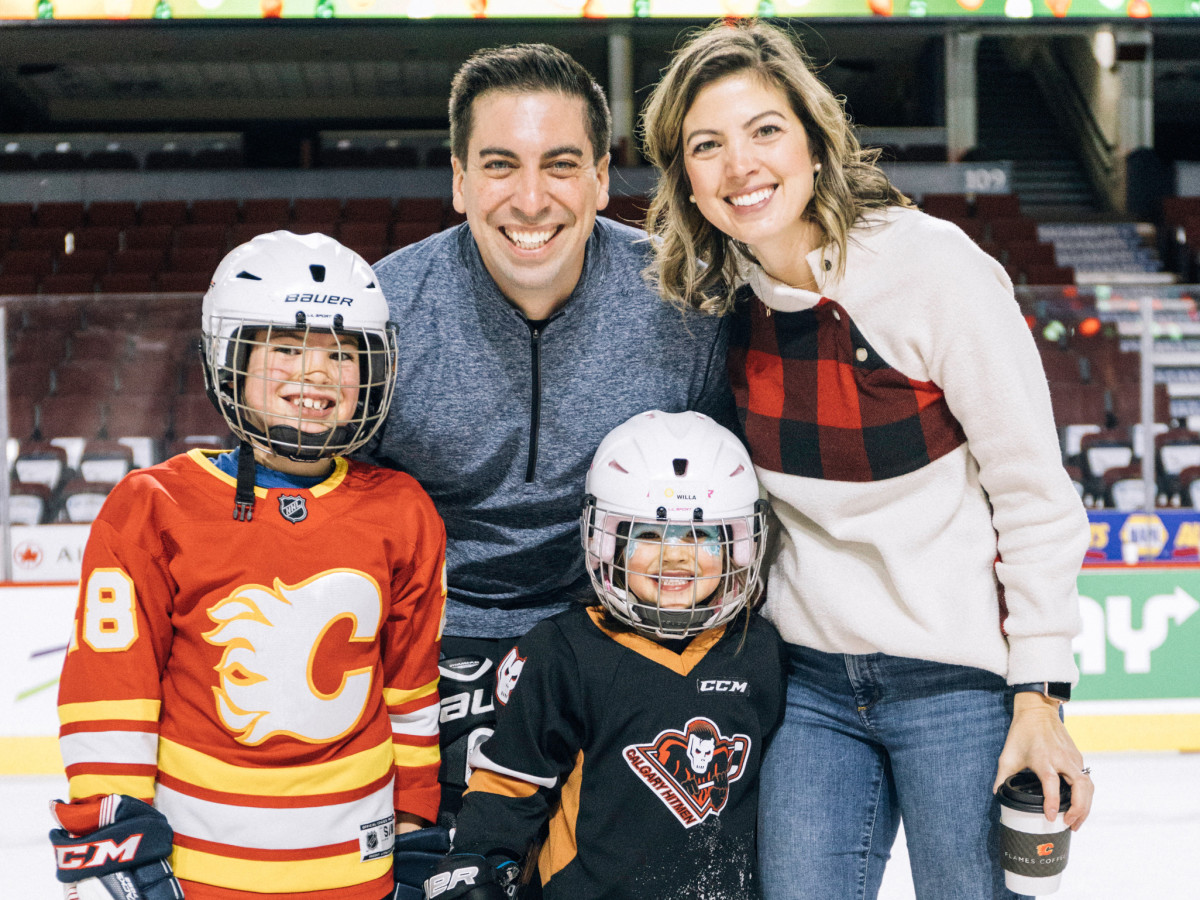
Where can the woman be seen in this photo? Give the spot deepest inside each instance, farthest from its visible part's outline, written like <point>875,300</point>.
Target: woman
<point>898,416</point>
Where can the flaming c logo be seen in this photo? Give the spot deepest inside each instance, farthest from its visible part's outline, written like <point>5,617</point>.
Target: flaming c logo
<point>273,645</point>
<point>1045,849</point>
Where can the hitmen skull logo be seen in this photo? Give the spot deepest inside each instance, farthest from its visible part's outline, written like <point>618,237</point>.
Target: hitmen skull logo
<point>691,770</point>
<point>507,675</point>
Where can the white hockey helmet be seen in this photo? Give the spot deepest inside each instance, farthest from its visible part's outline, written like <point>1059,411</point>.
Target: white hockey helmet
<point>297,285</point>
<point>681,474</point>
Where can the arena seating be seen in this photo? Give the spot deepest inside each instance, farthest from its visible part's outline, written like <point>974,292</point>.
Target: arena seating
<point>216,151</point>
<point>1096,395</point>
<point>995,222</point>
<point>102,384</point>
<point>1110,248</point>
<point>99,385</point>
<point>1181,235</point>
<point>96,388</point>
<point>1053,253</point>
<point>76,390</point>
<point>172,246</point>
<point>28,504</point>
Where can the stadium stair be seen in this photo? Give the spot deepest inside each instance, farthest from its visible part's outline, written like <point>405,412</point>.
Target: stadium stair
<point>1016,123</point>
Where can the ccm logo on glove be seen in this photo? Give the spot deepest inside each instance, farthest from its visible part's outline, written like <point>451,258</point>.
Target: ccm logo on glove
<point>444,881</point>
<point>97,853</point>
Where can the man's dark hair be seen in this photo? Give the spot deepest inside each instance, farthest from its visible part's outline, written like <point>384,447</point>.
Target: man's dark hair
<point>525,68</point>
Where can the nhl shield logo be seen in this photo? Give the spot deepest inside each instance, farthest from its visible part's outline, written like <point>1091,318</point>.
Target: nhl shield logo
<point>292,507</point>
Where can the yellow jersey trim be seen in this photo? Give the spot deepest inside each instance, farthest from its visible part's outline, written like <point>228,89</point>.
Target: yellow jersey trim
<point>204,771</point>
<point>91,785</point>
<point>284,877</point>
<point>202,459</point>
<point>415,757</point>
<point>399,696</point>
<point>99,710</point>
<point>336,477</point>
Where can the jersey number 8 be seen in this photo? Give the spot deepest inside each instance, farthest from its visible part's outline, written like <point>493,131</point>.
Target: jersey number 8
<point>109,620</point>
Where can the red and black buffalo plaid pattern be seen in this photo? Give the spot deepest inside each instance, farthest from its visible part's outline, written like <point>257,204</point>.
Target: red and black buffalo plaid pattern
<point>816,400</point>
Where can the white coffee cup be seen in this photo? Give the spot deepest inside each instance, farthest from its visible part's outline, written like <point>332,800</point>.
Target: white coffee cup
<point>1033,849</point>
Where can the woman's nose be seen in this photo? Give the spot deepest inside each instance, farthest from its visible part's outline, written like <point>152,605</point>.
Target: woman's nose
<point>740,158</point>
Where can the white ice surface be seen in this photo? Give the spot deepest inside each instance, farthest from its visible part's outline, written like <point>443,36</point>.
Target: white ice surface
<point>1142,841</point>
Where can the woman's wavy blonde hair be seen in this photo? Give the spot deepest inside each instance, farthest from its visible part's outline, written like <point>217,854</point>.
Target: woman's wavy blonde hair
<point>694,263</point>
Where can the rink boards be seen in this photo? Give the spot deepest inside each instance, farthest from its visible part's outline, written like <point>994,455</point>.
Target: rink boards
<point>1137,652</point>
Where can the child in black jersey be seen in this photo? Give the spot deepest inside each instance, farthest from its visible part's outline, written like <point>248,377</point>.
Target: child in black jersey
<point>633,729</point>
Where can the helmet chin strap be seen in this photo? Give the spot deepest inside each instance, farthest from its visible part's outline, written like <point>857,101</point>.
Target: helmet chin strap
<point>243,500</point>
<point>649,617</point>
<point>694,617</point>
<point>306,446</point>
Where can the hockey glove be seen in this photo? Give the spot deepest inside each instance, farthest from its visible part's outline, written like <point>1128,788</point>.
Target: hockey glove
<point>113,847</point>
<point>412,856</point>
<point>469,876</point>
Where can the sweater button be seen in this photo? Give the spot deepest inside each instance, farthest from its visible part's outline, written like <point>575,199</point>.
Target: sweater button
<point>861,354</point>
<point>837,315</point>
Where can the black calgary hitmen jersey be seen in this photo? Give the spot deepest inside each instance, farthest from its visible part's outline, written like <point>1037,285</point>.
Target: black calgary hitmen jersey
<point>644,760</point>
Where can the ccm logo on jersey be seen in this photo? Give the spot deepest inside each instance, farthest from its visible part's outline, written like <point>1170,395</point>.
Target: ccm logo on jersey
<point>443,881</point>
<point>97,853</point>
<point>722,686</point>
<point>330,299</point>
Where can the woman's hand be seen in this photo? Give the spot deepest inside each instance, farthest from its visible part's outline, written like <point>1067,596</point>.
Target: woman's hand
<point>1038,740</point>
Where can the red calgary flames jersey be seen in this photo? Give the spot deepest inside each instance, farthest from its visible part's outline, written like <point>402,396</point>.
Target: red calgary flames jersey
<point>272,684</point>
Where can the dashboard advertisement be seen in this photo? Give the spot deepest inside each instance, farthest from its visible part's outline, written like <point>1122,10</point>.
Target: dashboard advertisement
<point>165,10</point>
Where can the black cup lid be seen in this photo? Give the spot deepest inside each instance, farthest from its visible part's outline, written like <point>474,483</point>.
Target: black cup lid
<point>1023,791</point>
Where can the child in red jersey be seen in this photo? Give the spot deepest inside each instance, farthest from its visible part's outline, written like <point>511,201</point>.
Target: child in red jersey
<point>251,686</point>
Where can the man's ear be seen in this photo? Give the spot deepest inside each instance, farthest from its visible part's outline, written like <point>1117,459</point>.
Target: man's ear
<point>456,185</point>
<point>602,178</point>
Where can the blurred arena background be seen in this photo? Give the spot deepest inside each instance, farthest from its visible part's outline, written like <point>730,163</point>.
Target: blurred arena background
<point>142,139</point>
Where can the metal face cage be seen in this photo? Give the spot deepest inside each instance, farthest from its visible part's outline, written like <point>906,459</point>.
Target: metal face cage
<point>670,578</point>
<point>282,388</point>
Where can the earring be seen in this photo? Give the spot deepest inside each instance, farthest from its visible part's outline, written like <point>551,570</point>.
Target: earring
<point>816,168</point>
<point>692,198</point>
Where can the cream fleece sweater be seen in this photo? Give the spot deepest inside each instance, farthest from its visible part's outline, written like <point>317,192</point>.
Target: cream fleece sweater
<point>908,565</point>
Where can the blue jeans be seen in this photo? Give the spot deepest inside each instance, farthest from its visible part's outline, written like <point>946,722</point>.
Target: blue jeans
<point>870,740</point>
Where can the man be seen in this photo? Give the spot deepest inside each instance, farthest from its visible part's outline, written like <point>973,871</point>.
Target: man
<point>526,335</point>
